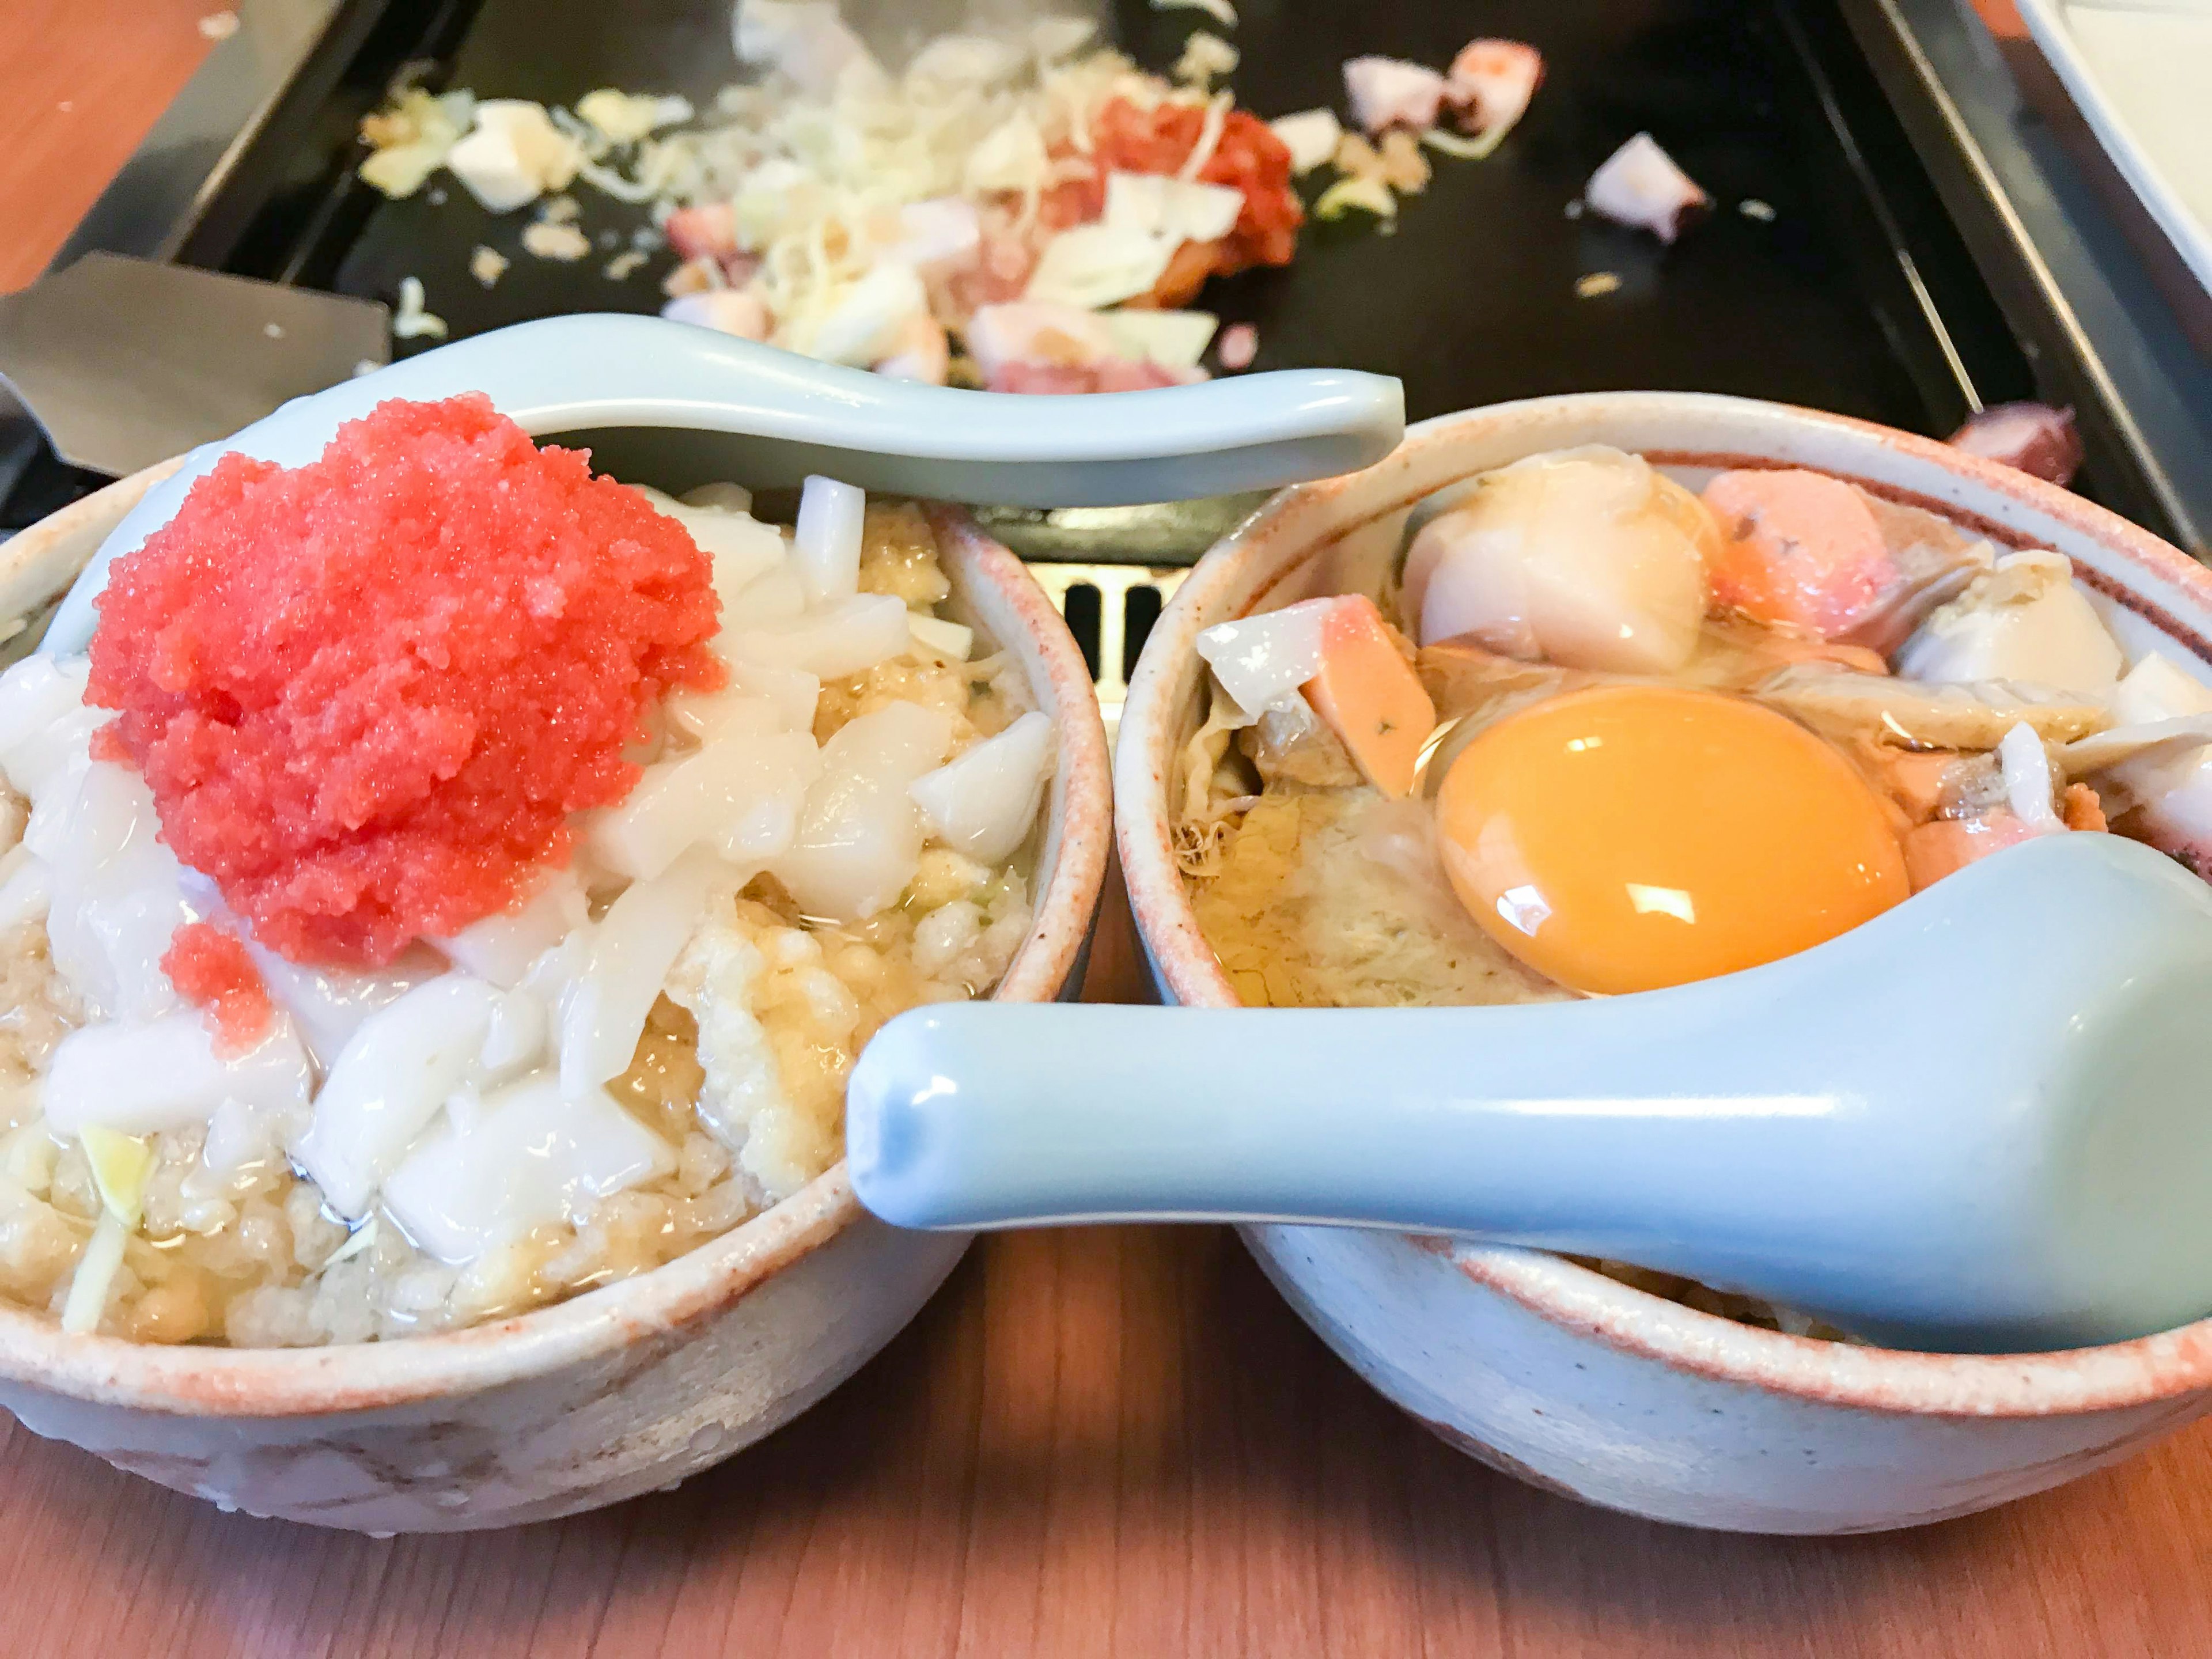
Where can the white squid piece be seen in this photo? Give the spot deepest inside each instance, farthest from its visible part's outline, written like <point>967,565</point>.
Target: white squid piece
<point>860,837</point>
<point>983,803</point>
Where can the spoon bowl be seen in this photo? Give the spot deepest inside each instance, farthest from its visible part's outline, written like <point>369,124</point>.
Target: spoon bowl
<point>1936,1130</point>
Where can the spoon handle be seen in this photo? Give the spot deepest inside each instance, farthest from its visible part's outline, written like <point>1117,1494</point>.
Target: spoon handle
<point>722,407</point>
<point>1460,1121</point>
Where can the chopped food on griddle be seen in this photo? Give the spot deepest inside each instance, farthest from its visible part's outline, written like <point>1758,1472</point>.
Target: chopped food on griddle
<point>839,209</point>
<point>1640,186</point>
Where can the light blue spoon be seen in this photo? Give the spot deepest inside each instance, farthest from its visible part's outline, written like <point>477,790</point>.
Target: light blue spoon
<point>1981,1121</point>
<point>669,403</point>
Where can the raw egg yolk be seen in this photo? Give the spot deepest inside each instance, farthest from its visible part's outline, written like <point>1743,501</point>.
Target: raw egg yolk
<point>1629,837</point>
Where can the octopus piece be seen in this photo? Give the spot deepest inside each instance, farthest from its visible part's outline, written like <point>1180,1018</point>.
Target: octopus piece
<point>2039,440</point>
<point>1491,83</point>
<point>1640,186</point>
<point>1388,92</point>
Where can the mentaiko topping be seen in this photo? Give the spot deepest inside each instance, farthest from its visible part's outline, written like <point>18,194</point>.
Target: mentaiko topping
<point>214,971</point>
<point>367,692</point>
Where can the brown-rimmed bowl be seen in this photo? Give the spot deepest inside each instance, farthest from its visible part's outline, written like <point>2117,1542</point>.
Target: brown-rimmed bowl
<point>1553,1372</point>
<point>615,1392</point>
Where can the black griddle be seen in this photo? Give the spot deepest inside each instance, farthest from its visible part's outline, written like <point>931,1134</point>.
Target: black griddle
<point>1858,295</point>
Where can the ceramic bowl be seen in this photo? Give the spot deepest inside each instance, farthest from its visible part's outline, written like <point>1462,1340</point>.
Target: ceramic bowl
<point>1554,1373</point>
<point>613,1393</point>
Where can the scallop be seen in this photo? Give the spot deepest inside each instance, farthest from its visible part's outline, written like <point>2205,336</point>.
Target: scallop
<point>1589,558</point>
<point>2026,621</point>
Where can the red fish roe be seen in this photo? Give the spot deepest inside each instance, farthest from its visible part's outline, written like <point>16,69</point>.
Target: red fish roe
<point>368,692</point>
<point>212,971</point>
<point>1247,157</point>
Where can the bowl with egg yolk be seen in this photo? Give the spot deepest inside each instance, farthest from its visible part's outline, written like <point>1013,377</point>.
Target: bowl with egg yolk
<point>1856,660</point>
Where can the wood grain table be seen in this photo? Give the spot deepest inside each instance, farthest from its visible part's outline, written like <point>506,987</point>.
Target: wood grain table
<point>1105,1442</point>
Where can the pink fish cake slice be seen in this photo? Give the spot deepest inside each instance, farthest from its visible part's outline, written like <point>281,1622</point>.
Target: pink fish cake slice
<point>1797,549</point>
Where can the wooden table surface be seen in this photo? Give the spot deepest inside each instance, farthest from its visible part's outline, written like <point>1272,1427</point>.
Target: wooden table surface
<point>1104,1442</point>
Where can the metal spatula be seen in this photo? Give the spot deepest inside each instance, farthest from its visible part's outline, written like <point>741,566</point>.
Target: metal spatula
<point>125,362</point>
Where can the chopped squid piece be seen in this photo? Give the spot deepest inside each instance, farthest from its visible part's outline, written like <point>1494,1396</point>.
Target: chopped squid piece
<point>982,803</point>
<point>1261,661</point>
<point>2156,768</point>
<point>1389,92</point>
<point>725,310</point>
<point>2030,785</point>
<point>1491,83</point>
<point>2023,621</point>
<point>522,1159</point>
<point>740,793</point>
<point>389,1083</point>
<point>825,547</point>
<point>869,319</point>
<point>2036,438</point>
<point>848,637</point>
<point>631,952</point>
<point>860,837</point>
<point>1639,185</point>
<point>951,640</point>
<point>43,722</point>
<point>169,1074</point>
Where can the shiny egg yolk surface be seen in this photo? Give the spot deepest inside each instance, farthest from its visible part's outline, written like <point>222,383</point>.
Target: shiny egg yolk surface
<point>1628,837</point>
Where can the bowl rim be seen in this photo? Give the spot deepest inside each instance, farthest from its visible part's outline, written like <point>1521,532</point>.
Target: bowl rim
<point>659,1307</point>
<point>2149,1369</point>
